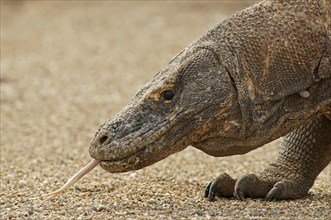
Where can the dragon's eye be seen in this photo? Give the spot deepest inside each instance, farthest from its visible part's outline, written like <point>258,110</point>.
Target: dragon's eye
<point>168,94</point>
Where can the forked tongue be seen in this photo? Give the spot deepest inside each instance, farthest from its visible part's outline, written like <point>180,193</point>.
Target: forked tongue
<point>73,179</point>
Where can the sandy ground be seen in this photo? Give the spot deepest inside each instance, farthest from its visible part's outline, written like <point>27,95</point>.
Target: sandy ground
<point>68,66</point>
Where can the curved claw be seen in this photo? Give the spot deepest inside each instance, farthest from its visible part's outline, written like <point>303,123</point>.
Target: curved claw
<point>277,190</point>
<point>207,189</point>
<point>239,194</point>
<point>274,193</point>
<point>210,191</point>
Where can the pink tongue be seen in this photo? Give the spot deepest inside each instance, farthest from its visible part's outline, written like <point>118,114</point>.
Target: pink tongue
<point>73,179</point>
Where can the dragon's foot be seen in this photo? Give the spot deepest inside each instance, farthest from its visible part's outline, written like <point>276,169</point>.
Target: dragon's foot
<point>305,152</point>
<point>270,188</point>
<point>251,185</point>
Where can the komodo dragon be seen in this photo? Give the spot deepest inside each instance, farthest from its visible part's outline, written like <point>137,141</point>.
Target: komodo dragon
<point>261,74</point>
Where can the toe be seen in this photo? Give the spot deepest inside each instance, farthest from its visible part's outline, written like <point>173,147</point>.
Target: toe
<point>244,185</point>
<point>251,185</point>
<point>287,189</point>
<point>223,185</point>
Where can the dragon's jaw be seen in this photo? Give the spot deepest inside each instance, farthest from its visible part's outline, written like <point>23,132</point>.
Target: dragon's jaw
<point>154,140</point>
<point>142,158</point>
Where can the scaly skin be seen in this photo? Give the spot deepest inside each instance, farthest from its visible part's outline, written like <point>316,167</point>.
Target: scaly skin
<point>261,74</point>
<point>304,154</point>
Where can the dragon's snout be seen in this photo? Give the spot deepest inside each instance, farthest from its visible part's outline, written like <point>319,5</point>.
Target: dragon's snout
<point>99,144</point>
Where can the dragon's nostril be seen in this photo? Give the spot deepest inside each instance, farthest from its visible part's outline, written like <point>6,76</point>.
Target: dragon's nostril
<point>103,139</point>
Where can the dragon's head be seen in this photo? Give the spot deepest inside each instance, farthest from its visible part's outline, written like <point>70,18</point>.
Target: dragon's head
<point>191,102</point>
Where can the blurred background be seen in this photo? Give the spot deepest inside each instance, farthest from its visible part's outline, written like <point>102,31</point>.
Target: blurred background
<point>66,66</point>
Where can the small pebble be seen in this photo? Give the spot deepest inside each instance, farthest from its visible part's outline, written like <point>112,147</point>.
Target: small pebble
<point>21,182</point>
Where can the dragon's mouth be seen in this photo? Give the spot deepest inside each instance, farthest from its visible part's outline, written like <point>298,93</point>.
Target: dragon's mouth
<point>138,160</point>
<point>114,151</point>
<point>146,156</point>
<point>145,147</point>
<point>126,158</point>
